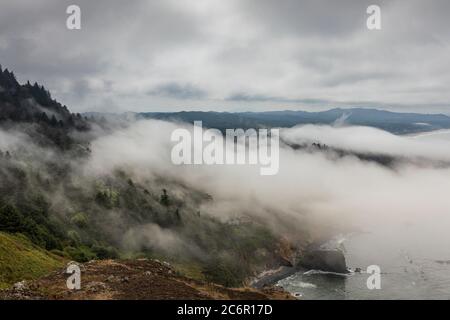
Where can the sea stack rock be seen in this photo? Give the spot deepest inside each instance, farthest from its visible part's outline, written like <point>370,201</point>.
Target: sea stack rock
<point>331,260</point>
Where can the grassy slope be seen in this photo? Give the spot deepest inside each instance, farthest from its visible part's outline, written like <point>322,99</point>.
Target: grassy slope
<point>20,259</point>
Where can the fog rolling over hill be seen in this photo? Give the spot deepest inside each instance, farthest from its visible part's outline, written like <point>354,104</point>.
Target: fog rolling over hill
<point>103,186</point>
<point>84,189</point>
<point>224,149</point>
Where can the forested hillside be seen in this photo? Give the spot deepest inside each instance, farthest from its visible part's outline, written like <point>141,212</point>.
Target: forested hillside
<point>47,197</point>
<point>32,106</point>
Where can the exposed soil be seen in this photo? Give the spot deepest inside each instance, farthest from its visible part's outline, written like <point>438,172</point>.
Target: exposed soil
<point>132,280</point>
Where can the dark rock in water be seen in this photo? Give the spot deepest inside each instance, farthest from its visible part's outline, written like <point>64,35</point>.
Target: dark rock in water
<point>331,260</point>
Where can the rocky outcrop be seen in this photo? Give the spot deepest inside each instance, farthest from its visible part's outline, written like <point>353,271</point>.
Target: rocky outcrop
<point>324,259</point>
<point>140,279</point>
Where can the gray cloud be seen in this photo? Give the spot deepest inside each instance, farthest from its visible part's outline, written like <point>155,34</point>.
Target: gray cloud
<point>178,91</point>
<point>243,97</point>
<point>252,54</point>
<point>322,18</point>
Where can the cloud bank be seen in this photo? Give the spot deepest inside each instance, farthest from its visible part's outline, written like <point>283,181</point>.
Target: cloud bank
<point>232,55</point>
<point>313,190</point>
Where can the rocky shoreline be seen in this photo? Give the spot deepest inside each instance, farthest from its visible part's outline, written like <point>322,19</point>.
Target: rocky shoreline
<point>322,257</point>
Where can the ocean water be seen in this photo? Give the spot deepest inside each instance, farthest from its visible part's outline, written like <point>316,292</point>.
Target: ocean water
<point>405,274</point>
<point>437,135</point>
<point>413,255</point>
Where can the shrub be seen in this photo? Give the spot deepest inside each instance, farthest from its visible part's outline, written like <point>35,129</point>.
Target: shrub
<point>80,254</point>
<point>224,271</point>
<point>59,253</point>
<point>103,252</point>
<point>80,220</point>
<point>108,198</point>
<point>10,219</point>
<point>74,237</point>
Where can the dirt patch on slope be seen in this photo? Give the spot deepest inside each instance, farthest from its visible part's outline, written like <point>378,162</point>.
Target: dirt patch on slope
<point>131,280</point>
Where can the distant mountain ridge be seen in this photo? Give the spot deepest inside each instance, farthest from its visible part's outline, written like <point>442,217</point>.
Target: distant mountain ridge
<point>33,104</point>
<point>394,122</point>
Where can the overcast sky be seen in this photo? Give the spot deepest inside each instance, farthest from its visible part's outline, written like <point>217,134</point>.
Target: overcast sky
<point>233,55</point>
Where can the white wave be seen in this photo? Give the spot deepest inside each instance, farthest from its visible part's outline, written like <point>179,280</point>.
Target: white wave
<point>313,272</point>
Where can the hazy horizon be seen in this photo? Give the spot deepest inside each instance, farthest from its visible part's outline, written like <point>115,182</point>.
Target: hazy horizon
<point>232,56</point>
<point>324,109</point>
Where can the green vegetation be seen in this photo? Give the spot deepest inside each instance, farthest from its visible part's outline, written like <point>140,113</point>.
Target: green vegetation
<point>21,259</point>
<point>80,220</point>
<point>102,218</point>
<point>46,195</point>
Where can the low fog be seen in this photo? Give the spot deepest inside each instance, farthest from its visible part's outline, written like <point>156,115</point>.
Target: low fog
<point>314,190</point>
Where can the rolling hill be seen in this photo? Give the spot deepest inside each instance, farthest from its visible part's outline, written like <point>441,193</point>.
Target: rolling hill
<point>394,122</point>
